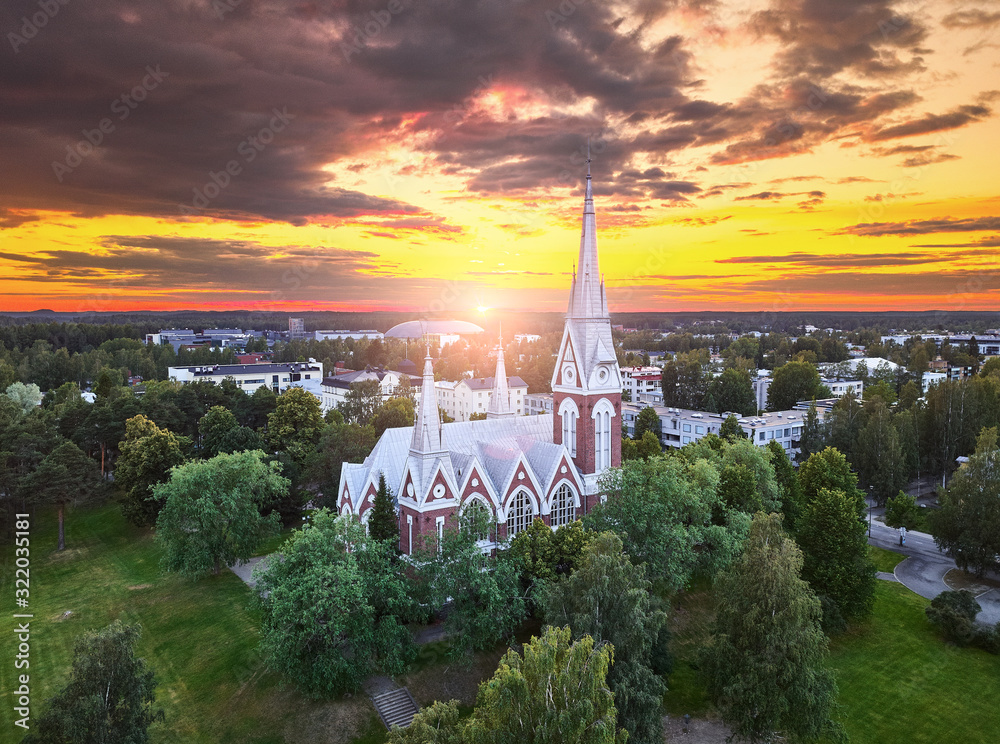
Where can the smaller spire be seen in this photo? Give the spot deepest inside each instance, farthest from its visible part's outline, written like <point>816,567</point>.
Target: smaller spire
<point>427,429</point>
<point>499,406</point>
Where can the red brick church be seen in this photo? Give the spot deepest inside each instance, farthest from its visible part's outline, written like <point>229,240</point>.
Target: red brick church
<point>516,468</point>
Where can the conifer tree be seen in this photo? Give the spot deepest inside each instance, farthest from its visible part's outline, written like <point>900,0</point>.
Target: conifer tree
<point>383,524</point>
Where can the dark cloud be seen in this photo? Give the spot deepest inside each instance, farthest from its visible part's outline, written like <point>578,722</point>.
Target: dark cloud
<point>974,18</point>
<point>15,218</point>
<point>930,123</point>
<point>922,227</point>
<point>921,160</point>
<point>845,260</point>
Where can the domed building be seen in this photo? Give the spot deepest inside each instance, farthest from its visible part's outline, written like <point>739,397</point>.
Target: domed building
<point>515,468</point>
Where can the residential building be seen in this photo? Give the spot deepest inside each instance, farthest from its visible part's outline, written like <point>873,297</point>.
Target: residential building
<point>344,335</point>
<point>473,395</point>
<point>278,376</point>
<point>296,328</point>
<point>218,338</point>
<point>638,381</point>
<point>536,404</point>
<point>334,389</point>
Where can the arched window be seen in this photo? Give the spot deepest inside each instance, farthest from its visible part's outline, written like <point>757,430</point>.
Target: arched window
<point>476,516</point>
<point>520,514</point>
<point>569,415</point>
<point>602,435</point>
<point>563,506</point>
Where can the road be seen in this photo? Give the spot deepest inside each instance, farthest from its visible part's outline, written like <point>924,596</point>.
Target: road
<point>925,566</point>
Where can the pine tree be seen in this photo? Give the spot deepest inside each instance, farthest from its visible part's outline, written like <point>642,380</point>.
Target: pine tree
<point>766,665</point>
<point>383,524</point>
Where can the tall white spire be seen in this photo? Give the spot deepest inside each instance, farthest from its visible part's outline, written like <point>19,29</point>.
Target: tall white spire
<point>500,397</point>
<point>427,429</point>
<point>587,298</point>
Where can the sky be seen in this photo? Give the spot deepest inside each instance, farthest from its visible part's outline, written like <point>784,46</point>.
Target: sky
<point>429,155</point>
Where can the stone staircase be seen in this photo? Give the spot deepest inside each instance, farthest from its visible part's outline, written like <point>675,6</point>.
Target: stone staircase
<point>396,707</point>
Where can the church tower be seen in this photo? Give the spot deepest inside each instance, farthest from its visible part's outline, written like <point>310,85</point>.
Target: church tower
<point>586,382</point>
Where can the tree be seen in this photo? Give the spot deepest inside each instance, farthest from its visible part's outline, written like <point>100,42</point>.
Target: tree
<point>361,402</point>
<point>213,427</point>
<point>383,524</point>
<point>765,664</point>
<point>66,476</point>
<point>438,723</point>
<point>834,547</point>
<point>647,420</point>
<point>334,603</point>
<point>394,413</point>
<point>555,692</point>
<point>669,516</point>
<point>731,428</point>
<point>648,446</point>
<point>830,469</point>
<point>211,512</point>
<point>879,456</point>
<point>296,424</point>
<point>110,695</point>
<point>339,443</point>
<point>902,511</point>
<point>789,488</point>
<point>814,434</point>
<point>954,613</point>
<point>733,391</point>
<point>26,397</point>
<point>792,382</point>
<point>967,526</point>
<point>147,455</point>
<point>481,591</point>
<point>608,599</point>
<point>683,380</point>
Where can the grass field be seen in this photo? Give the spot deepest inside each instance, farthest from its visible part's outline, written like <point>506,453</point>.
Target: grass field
<point>884,560</point>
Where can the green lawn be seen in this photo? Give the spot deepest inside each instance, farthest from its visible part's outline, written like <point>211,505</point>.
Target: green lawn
<point>884,560</point>
<point>200,637</point>
<point>899,682</point>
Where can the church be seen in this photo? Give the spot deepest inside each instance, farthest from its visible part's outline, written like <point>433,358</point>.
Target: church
<point>515,468</point>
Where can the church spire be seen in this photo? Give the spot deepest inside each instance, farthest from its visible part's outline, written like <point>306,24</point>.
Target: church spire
<point>427,430</point>
<point>499,406</point>
<point>587,296</point>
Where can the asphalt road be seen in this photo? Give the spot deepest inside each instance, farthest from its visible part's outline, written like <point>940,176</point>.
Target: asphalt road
<point>924,569</point>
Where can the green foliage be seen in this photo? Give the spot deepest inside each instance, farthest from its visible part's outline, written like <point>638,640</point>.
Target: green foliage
<point>647,421</point>
<point>731,428</point>
<point>733,391</point>
<point>66,476</point>
<point>26,397</point>
<point>669,516</point>
<point>609,599</point>
<point>110,695</point>
<point>334,603</point>
<point>339,443</point>
<point>214,427</point>
<point>683,380</point>
<point>147,455</point>
<point>902,511</point>
<point>881,389</point>
<point>394,413</point>
<point>766,663</point>
<point>544,554</point>
<point>814,434</point>
<point>789,488</point>
<point>361,402</point>
<point>967,526</point>
<point>879,454</point>
<point>211,512</point>
<point>648,446</point>
<point>954,614</point>
<point>296,424</point>
<point>556,692</point>
<point>383,524</point>
<point>830,469</point>
<point>438,723</point>
<point>792,382</point>
<point>482,592</point>
<point>834,547</point>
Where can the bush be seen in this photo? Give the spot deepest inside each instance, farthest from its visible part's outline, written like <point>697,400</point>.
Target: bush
<point>954,613</point>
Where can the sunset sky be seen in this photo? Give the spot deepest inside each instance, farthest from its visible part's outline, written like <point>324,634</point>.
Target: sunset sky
<point>429,154</point>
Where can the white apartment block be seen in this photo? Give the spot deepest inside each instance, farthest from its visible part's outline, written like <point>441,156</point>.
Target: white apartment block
<point>840,388</point>
<point>277,376</point>
<point>680,426</point>
<point>344,335</point>
<point>334,389</point>
<point>640,381</point>
<point>472,395</point>
<point>538,403</point>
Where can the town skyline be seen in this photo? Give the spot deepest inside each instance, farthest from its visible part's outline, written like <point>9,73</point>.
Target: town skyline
<point>409,156</point>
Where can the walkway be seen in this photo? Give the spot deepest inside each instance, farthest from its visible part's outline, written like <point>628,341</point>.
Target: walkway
<point>925,566</point>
